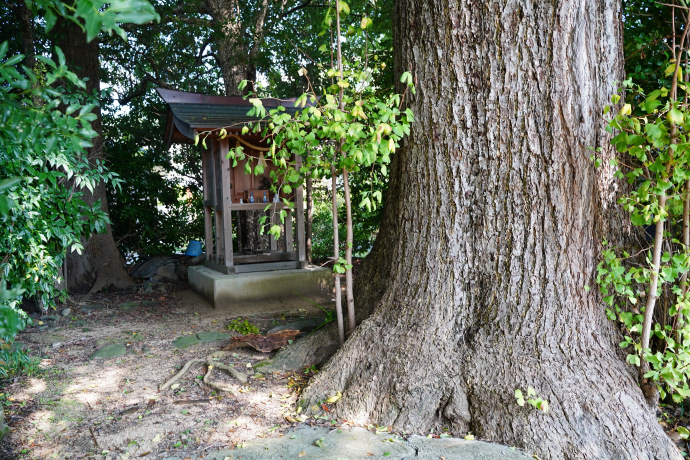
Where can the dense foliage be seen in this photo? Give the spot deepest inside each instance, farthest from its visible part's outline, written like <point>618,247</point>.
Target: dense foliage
<point>45,129</point>
<point>160,208</point>
<point>647,33</point>
<point>154,215</point>
<point>45,147</point>
<point>651,124</point>
<point>655,158</point>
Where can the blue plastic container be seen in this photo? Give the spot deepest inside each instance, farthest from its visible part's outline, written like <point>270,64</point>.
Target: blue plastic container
<point>193,248</point>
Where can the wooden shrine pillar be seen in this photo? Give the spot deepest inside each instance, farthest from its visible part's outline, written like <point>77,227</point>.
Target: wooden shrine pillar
<point>299,209</point>
<point>217,183</point>
<point>207,183</point>
<point>226,205</point>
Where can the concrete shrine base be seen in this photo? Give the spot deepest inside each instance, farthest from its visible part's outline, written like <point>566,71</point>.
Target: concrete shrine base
<point>224,291</point>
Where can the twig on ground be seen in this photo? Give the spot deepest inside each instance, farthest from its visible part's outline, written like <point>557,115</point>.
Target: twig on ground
<point>93,436</point>
<point>192,401</point>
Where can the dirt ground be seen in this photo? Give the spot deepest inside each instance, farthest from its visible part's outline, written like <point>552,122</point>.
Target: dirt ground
<point>74,406</point>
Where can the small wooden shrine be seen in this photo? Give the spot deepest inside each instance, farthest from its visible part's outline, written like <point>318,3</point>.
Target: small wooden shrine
<point>229,190</point>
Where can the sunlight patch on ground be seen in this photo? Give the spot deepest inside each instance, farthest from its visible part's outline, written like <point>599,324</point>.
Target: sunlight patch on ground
<point>36,386</point>
<point>87,398</point>
<point>96,387</point>
<point>105,381</point>
<point>42,420</point>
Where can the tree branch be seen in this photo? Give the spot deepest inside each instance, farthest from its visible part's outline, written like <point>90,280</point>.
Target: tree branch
<point>304,4</point>
<point>259,29</point>
<point>201,55</point>
<point>141,88</point>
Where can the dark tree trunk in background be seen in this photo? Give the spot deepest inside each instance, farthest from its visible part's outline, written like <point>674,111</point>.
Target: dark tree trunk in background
<point>236,58</point>
<point>491,233</point>
<point>25,19</point>
<point>232,51</point>
<point>100,265</point>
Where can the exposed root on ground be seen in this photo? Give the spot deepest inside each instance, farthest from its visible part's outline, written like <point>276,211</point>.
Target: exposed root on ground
<point>212,361</point>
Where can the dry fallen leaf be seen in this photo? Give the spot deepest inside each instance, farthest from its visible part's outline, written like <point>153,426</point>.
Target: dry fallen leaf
<point>334,398</point>
<point>675,437</point>
<point>302,454</point>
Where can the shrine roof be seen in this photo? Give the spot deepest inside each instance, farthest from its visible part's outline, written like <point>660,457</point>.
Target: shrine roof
<point>192,112</point>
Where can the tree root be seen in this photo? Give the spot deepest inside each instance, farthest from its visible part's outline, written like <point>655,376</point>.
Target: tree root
<point>211,362</point>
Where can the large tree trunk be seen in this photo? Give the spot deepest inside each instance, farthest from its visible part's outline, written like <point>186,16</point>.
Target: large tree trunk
<point>100,265</point>
<point>491,233</point>
<point>232,51</point>
<point>237,62</point>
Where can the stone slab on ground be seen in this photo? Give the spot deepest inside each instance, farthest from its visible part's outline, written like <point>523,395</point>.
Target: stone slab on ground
<point>206,337</point>
<point>109,351</point>
<point>127,306</point>
<point>93,307</point>
<point>4,428</point>
<point>45,338</point>
<point>307,442</point>
<point>186,341</point>
<point>461,449</point>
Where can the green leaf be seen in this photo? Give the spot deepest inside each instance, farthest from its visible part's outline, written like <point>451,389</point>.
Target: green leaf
<point>7,184</point>
<point>61,56</point>
<point>675,116</point>
<point>344,7</point>
<point>50,18</point>
<point>544,406</point>
<point>519,397</point>
<point>406,78</point>
<point>14,60</point>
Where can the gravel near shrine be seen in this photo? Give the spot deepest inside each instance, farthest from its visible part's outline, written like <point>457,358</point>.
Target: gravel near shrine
<point>95,393</point>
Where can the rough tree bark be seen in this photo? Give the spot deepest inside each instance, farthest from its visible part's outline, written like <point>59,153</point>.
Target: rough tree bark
<point>100,265</point>
<point>491,233</point>
<point>236,59</point>
<point>232,51</point>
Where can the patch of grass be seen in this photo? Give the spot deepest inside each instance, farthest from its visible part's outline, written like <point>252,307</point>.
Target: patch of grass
<point>243,327</point>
